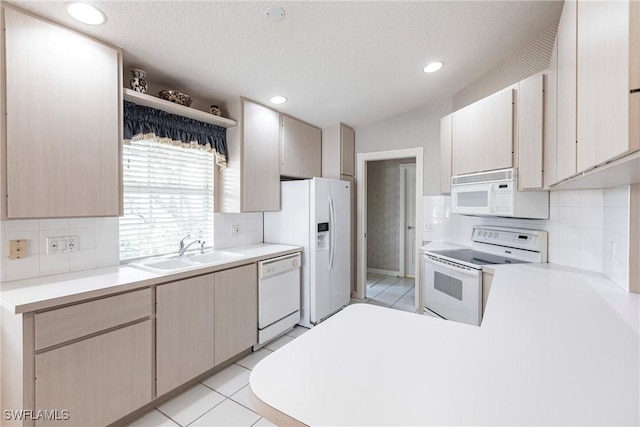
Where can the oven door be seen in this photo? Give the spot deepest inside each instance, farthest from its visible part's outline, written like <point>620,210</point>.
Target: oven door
<point>453,291</point>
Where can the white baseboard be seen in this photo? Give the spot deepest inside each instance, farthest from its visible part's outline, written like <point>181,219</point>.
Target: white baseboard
<point>383,272</point>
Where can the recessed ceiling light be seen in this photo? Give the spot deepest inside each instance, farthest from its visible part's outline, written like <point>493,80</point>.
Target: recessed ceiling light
<point>86,13</point>
<point>433,67</point>
<point>278,99</point>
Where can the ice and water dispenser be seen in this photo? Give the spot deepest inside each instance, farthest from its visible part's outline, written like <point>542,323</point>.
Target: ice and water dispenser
<point>322,241</point>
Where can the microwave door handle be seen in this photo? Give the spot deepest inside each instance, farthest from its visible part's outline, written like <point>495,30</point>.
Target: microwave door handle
<point>490,197</point>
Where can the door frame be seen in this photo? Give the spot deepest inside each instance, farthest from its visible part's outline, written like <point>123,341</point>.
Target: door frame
<point>361,237</point>
<point>401,234</point>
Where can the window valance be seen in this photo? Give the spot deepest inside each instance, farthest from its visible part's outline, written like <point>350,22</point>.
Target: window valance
<point>146,123</point>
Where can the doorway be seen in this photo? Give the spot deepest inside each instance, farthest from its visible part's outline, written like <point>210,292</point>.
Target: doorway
<point>407,243</point>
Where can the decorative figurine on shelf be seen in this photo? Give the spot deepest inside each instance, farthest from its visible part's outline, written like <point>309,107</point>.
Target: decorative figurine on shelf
<point>139,80</point>
<point>215,110</point>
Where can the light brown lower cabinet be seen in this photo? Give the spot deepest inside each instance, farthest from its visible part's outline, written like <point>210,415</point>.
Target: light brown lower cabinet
<point>184,331</point>
<point>236,311</point>
<point>93,362</point>
<point>97,380</point>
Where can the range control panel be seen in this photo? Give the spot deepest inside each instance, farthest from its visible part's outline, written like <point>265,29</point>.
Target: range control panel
<point>510,237</point>
<point>279,265</point>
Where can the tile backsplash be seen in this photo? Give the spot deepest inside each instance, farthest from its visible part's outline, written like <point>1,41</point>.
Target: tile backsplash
<point>250,229</point>
<point>588,229</point>
<point>98,242</point>
<point>97,246</point>
<point>615,260</point>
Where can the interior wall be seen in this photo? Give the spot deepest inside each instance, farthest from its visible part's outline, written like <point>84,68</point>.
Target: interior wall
<point>528,60</point>
<point>416,128</point>
<point>383,214</point>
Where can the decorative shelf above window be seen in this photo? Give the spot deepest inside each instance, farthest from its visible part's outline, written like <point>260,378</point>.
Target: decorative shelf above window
<point>180,110</point>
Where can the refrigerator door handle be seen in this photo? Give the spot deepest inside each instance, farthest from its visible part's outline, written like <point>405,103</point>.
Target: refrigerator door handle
<point>332,232</point>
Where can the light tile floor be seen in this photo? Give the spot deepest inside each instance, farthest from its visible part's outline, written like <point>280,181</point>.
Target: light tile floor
<point>392,292</point>
<point>221,400</point>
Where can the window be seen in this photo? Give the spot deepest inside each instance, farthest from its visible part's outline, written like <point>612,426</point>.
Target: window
<point>168,194</point>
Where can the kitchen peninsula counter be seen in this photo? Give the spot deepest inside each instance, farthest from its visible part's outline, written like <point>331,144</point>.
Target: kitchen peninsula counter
<point>557,346</point>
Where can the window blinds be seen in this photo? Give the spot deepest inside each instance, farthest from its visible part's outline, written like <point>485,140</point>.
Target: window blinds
<point>168,194</point>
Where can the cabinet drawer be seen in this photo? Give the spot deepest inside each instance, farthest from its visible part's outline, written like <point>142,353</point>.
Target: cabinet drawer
<point>65,324</point>
<point>98,380</point>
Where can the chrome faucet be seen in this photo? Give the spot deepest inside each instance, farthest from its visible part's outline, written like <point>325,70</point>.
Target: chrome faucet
<point>184,248</point>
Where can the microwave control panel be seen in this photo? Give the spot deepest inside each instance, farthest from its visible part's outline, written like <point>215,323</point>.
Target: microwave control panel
<point>502,198</point>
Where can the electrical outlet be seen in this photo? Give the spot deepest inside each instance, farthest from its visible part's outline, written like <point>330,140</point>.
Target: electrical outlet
<point>235,229</point>
<point>72,244</point>
<point>613,251</point>
<point>429,227</point>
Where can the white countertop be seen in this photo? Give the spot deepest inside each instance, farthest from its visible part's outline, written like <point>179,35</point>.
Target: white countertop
<point>49,291</point>
<point>557,346</point>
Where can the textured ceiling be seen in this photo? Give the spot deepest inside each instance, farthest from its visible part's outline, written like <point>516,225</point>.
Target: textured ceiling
<point>350,61</point>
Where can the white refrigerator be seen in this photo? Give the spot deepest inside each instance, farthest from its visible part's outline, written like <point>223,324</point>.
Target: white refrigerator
<point>314,213</point>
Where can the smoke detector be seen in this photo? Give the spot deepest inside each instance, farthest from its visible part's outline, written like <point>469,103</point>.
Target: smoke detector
<point>274,13</point>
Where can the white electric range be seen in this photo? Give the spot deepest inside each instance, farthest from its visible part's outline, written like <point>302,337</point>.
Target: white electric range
<point>452,284</point>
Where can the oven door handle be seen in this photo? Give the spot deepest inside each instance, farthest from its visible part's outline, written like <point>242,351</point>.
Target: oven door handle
<point>458,268</point>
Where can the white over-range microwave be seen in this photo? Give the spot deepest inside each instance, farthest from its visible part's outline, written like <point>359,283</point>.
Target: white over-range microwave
<point>495,193</point>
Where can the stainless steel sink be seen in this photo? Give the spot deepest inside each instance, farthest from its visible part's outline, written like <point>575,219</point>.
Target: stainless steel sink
<point>174,263</point>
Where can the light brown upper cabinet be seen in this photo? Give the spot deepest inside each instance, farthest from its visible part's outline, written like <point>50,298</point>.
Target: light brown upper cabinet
<point>338,151</point>
<point>530,132</point>
<point>603,82</point>
<point>483,134</point>
<point>550,119</point>
<point>598,45</point>
<point>63,121</point>
<point>300,149</point>
<point>634,74</point>
<point>567,51</point>
<point>446,134</point>
<point>251,182</point>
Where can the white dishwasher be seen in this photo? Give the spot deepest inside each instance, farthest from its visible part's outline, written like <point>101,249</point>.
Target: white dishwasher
<point>278,297</point>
